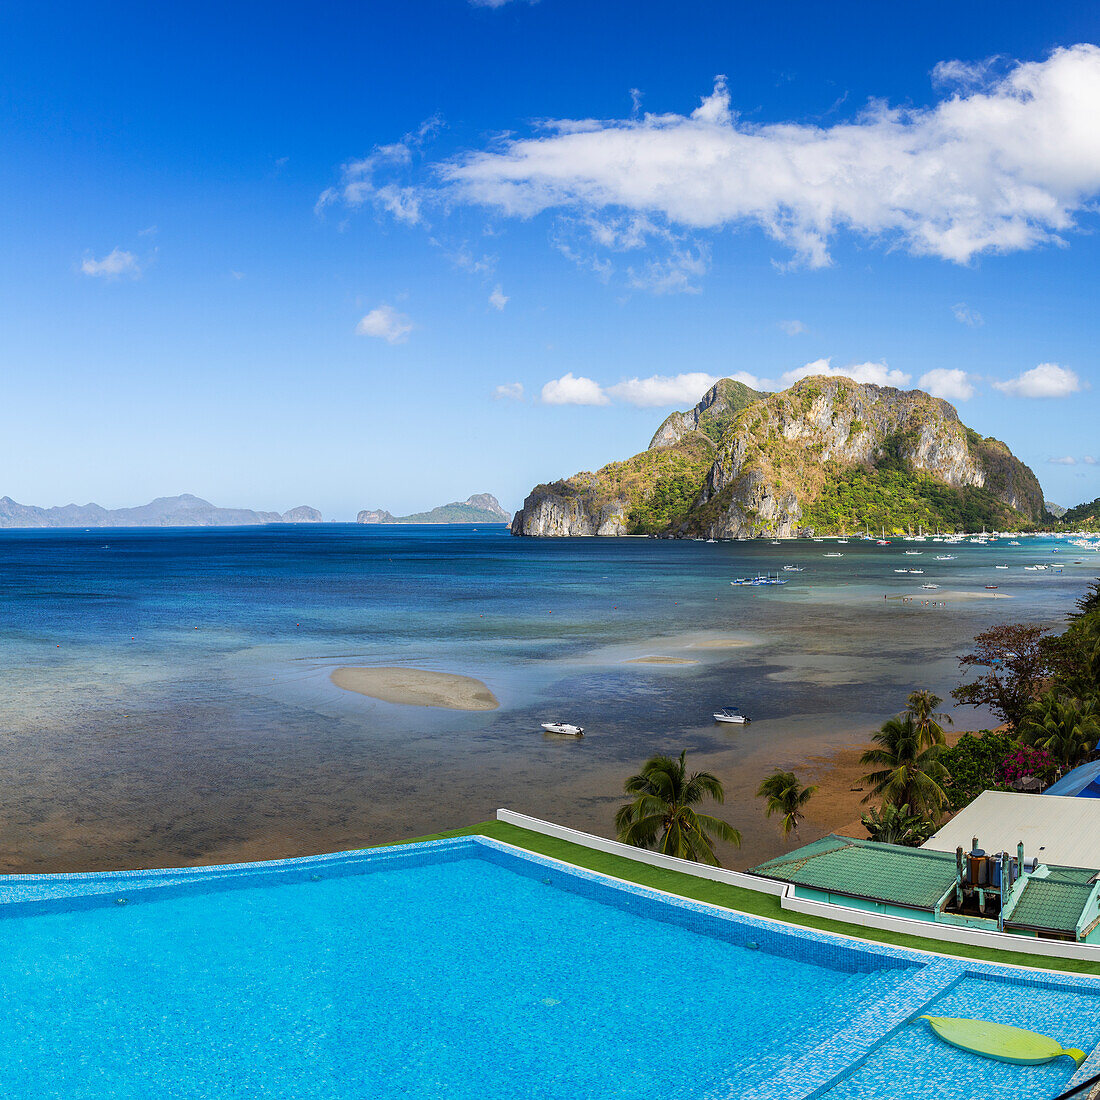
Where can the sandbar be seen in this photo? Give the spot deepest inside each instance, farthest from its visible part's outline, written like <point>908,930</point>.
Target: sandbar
<point>657,659</point>
<point>417,687</point>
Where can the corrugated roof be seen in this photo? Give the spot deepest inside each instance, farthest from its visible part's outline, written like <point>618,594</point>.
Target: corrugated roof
<point>1053,828</point>
<point>865,869</point>
<point>1052,904</point>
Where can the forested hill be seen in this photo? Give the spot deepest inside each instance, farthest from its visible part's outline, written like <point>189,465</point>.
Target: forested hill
<point>828,454</point>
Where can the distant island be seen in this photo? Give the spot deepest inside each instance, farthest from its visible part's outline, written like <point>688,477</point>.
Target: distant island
<point>480,508</point>
<point>827,455</point>
<point>185,510</point>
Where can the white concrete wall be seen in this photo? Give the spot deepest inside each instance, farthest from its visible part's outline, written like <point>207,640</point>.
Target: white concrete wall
<point>998,941</point>
<point>641,855</point>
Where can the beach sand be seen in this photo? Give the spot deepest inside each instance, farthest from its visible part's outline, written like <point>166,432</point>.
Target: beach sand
<point>417,687</point>
<point>837,805</point>
<point>656,659</point>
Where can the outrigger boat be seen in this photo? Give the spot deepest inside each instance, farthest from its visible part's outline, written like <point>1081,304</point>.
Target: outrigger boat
<point>563,728</point>
<point>731,715</point>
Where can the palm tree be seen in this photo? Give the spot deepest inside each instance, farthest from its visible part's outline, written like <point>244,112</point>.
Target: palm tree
<point>909,774</point>
<point>786,796</point>
<point>896,825</point>
<point>922,704</point>
<point>1067,728</point>
<point>662,815</point>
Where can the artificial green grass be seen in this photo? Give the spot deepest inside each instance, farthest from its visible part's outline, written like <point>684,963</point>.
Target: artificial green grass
<point>736,897</point>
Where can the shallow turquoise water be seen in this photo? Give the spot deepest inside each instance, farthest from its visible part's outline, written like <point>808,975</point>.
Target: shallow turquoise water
<point>167,696</point>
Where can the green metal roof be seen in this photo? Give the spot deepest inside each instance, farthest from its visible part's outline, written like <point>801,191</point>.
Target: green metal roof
<point>1052,904</point>
<point>1073,874</point>
<point>913,877</point>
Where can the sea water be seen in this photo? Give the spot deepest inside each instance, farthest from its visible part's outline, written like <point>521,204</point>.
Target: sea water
<point>167,696</point>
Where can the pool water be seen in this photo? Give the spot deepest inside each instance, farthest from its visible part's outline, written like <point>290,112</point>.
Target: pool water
<point>458,970</point>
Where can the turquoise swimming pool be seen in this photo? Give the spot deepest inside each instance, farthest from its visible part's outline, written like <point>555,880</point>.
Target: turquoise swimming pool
<point>466,968</point>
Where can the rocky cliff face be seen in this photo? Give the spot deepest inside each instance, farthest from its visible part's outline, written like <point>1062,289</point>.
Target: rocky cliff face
<point>571,508</point>
<point>827,451</point>
<point>713,416</point>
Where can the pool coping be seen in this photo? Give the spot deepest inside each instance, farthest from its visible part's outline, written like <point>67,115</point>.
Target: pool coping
<point>814,1072</point>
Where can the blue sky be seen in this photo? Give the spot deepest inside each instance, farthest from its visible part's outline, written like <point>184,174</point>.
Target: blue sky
<point>386,255</point>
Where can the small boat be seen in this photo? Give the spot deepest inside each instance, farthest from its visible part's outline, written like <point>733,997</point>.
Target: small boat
<point>914,553</point>
<point>1013,542</point>
<point>730,715</point>
<point>934,586</point>
<point>563,728</point>
<point>914,571</point>
<point>792,568</point>
<point>1000,567</point>
<point>946,557</point>
<point>991,586</point>
<point>1002,1042</point>
<point>834,555</point>
<point>901,570</point>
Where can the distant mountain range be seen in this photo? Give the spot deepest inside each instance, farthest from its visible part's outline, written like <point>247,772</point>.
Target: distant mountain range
<point>480,508</point>
<point>826,455</point>
<point>182,511</point>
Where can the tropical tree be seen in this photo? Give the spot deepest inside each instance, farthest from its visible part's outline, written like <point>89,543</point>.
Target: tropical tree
<point>907,773</point>
<point>786,797</point>
<point>922,704</point>
<point>1018,661</point>
<point>662,814</point>
<point>897,825</point>
<point>1067,728</point>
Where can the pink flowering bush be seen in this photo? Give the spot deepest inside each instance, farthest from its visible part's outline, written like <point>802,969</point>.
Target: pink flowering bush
<point>1026,760</point>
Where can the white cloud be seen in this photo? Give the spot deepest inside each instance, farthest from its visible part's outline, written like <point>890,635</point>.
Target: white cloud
<point>951,385</point>
<point>877,374</point>
<point>1004,163</point>
<point>793,328</point>
<point>673,273</point>
<point>1065,460</point>
<point>509,391</point>
<point>357,178</point>
<point>387,324</point>
<point>113,266</point>
<point>1045,380</point>
<point>568,390</point>
<point>681,390</point>
<point>962,75</point>
<point>967,316</point>
<point>498,299</point>
<point>1089,460</point>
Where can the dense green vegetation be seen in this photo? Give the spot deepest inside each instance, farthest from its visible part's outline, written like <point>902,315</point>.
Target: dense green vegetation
<point>1084,515</point>
<point>857,498</point>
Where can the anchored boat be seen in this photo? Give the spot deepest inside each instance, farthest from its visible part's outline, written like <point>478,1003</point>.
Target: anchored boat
<point>730,715</point>
<point>563,728</point>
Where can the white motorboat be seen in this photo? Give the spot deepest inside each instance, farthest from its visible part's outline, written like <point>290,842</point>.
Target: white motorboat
<point>932,586</point>
<point>563,728</point>
<point>730,715</point>
<point>832,555</point>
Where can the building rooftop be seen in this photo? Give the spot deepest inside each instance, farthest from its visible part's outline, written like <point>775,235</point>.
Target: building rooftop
<point>888,873</point>
<point>1053,904</point>
<point>1054,829</point>
<point>1082,782</point>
